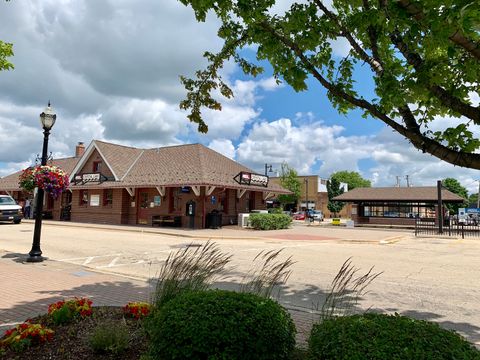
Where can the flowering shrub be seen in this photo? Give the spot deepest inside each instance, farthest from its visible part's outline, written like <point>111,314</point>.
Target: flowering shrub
<point>77,306</point>
<point>137,309</point>
<point>26,334</point>
<point>50,178</point>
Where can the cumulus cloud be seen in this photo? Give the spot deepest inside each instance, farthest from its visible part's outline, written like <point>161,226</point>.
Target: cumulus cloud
<point>224,147</point>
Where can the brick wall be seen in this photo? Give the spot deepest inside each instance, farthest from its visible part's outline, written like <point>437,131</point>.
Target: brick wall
<point>101,214</point>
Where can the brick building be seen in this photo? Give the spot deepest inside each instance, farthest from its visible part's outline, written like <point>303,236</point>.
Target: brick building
<point>395,205</point>
<point>177,185</point>
<point>314,191</point>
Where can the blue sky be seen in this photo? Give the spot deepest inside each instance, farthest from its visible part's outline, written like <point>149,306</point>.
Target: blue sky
<point>111,70</point>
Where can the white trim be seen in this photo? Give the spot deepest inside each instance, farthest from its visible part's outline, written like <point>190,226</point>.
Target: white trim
<point>161,190</point>
<point>130,191</point>
<point>196,190</point>
<point>106,162</point>
<point>131,166</point>
<point>241,192</point>
<point>209,190</point>
<point>86,155</point>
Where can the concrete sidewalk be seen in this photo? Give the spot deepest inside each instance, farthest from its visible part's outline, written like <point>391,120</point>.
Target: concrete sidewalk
<point>28,289</point>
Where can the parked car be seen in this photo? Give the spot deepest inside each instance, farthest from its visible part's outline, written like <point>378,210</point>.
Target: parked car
<point>10,210</point>
<point>299,215</point>
<point>317,215</point>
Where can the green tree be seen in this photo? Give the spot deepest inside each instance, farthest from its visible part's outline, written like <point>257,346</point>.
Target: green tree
<point>333,189</point>
<point>289,180</point>
<point>6,51</point>
<point>473,200</point>
<point>455,187</point>
<point>423,57</point>
<point>352,178</point>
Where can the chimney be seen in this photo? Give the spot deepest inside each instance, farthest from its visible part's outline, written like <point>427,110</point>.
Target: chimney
<point>79,149</point>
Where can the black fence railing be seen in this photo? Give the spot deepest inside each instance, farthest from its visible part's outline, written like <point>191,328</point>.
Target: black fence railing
<point>451,227</point>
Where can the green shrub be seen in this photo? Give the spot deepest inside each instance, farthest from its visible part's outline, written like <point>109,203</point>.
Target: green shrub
<point>270,221</point>
<point>63,315</point>
<point>381,336</point>
<point>110,337</point>
<point>220,324</point>
<point>188,269</point>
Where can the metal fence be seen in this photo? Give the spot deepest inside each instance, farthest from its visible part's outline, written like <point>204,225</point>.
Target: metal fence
<point>451,227</point>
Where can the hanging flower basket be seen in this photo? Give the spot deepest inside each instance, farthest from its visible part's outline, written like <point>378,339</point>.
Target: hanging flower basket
<point>27,179</point>
<point>50,178</point>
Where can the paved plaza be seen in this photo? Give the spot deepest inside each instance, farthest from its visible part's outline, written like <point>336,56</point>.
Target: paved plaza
<point>436,279</point>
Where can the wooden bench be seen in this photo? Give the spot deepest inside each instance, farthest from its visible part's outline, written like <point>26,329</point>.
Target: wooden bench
<point>166,220</point>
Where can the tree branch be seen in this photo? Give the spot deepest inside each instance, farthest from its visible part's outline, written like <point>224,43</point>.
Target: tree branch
<point>439,92</point>
<point>421,142</point>
<point>373,36</point>
<point>374,64</point>
<point>457,37</point>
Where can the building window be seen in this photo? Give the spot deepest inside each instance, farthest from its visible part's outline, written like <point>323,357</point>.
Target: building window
<point>107,197</point>
<point>97,166</point>
<point>83,197</point>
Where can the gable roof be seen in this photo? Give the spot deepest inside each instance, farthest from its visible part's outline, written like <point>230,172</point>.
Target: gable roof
<point>400,194</point>
<point>10,182</point>
<point>181,165</point>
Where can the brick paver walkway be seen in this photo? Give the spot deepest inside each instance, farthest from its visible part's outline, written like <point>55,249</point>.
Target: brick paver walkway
<point>28,289</point>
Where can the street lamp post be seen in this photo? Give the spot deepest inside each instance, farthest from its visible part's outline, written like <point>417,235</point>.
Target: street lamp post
<point>268,168</point>
<point>306,199</point>
<point>47,119</point>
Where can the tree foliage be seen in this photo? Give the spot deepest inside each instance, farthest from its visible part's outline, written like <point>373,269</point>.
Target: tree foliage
<point>289,180</point>
<point>333,189</point>
<point>424,59</point>
<point>6,51</point>
<point>455,187</point>
<point>352,178</point>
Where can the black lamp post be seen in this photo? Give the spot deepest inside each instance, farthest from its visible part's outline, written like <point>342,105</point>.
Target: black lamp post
<point>47,118</point>
<point>268,168</point>
<point>306,199</point>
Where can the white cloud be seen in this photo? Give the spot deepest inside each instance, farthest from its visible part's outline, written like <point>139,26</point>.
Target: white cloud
<point>223,146</point>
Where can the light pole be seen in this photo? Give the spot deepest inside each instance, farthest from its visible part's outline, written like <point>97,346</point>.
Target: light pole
<point>306,199</point>
<point>47,119</point>
<point>268,168</point>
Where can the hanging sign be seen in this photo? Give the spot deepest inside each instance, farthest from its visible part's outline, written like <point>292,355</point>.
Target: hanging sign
<point>246,178</point>
<point>89,177</point>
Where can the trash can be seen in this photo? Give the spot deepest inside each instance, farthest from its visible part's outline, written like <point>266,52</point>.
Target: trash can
<point>214,220</point>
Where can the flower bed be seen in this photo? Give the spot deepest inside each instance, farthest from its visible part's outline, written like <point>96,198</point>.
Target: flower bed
<point>137,310</point>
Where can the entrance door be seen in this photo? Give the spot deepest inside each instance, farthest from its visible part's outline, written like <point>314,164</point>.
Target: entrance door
<point>143,205</point>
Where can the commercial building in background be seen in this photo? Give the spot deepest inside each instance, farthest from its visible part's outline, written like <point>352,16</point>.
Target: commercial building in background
<point>313,194</point>
<point>185,186</point>
<point>396,205</point>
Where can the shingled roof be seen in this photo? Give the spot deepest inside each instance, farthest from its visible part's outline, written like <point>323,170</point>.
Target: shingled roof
<point>182,165</point>
<point>399,194</point>
<point>10,182</point>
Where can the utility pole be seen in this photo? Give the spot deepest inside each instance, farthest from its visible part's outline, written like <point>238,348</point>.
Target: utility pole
<point>440,207</point>
<point>478,195</point>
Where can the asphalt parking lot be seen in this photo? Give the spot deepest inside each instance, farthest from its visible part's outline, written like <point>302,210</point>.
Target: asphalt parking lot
<point>430,278</point>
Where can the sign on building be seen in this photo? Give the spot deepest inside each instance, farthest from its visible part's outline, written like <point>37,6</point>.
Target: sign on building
<point>246,178</point>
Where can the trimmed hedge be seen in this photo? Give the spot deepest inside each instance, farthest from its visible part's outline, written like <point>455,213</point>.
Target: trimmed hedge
<point>270,221</point>
<point>380,336</point>
<point>218,324</point>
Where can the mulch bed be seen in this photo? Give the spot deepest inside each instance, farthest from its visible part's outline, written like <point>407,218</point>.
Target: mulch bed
<point>71,341</point>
